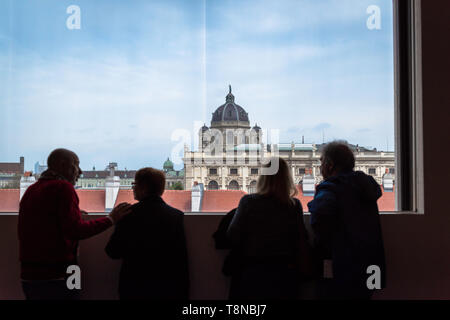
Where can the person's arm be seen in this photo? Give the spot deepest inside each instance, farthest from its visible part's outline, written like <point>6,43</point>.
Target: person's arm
<point>237,227</point>
<point>73,226</point>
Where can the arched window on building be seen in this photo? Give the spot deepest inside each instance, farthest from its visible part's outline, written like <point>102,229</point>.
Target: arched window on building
<point>213,185</point>
<point>252,187</point>
<point>233,185</point>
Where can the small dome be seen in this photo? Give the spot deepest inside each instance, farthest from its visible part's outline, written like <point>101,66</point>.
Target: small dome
<point>204,128</point>
<point>168,164</point>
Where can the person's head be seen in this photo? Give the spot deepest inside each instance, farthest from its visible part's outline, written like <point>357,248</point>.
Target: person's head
<point>65,163</point>
<point>148,182</point>
<point>280,184</point>
<point>336,158</point>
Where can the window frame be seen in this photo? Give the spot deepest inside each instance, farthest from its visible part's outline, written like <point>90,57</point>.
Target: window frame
<point>408,106</point>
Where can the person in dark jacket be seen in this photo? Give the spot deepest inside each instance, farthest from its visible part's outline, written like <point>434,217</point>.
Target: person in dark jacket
<point>346,222</point>
<point>264,231</point>
<point>151,243</point>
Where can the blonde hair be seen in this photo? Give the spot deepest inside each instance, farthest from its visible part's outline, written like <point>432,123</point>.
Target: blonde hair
<point>280,185</point>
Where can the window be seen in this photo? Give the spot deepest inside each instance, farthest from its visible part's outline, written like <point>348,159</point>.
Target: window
<point>372,171</point>
<point>233,185</point>
<point>392,170</point>
<point>213,185</point>
<point>345,65</point>
<point>252,187</point>
<point>254,171</point>
<point>213,171</point>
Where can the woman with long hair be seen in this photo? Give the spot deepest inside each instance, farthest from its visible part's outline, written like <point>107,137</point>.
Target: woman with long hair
<point>265,233</point>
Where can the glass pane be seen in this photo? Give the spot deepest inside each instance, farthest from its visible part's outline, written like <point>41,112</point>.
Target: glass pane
<point>136,84</point>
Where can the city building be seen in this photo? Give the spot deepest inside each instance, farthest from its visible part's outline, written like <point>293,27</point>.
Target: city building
<point>230,151</point>
<point>96,179</point>
<point>174,178</point>
<point>11,173</point>
<point>39,168</point>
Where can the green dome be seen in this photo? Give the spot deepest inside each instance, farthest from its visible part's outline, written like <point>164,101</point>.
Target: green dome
<point>168,165</point>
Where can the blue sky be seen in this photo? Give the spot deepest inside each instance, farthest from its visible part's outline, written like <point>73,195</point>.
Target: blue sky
<point>136,71</point>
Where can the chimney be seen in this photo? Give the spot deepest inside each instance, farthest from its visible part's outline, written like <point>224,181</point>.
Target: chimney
<point>26,181</point>
<point>112,185</point>
<point>308,185</point>
<point>388,182</point>
<point>196,197</point>
<point>22,165</point>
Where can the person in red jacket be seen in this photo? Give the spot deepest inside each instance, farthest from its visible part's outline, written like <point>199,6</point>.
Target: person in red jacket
<point>50,225</point>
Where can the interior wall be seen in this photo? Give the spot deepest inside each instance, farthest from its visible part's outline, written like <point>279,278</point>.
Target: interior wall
<point>418,247</point>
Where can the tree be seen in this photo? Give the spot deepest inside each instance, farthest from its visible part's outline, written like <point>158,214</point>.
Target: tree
<point>176,186</point>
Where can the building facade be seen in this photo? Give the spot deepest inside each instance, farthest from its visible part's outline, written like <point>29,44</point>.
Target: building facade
<point>11,173</point>
<point>230,152</point>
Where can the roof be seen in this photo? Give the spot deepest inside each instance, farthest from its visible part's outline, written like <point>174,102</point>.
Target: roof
<point>9,200</point>
<point>297,147</point>
<point>386,202</point>
<point>11,167</point>
<point>102,174</point>
<point>221,200</point>
<point>93,200</point>
<point>230,111</point>
<point>168,164</point>
<point>247,147</point>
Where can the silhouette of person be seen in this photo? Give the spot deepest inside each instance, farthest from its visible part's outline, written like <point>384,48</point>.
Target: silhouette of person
<point>264,233</point>
<point>50,225</point>
<point>151,243</point>
<point>346,223</point>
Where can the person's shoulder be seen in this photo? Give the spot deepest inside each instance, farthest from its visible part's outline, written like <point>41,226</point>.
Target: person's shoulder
<point>329,184</point>
<point>252,197</point>
<point>60,185</point>
<point>248,199</point>
<point>172,211</point>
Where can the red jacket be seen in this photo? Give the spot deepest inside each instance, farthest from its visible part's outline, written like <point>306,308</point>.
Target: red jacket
<point>49,228</point>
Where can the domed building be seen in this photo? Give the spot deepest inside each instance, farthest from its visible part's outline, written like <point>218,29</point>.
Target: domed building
<point>231,135</point>
<point>173,177</point>
<point>231,121</point>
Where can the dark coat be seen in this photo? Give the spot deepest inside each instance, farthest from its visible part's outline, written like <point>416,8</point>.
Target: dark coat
<point>346,222</point>
<point>221,240</point>
<point>264,232</point>
<point>151,243</point>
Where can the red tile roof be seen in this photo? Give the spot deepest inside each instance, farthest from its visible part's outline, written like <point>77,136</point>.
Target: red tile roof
<point>180,199</point>
<point>92,200</point>
<point>303,199</point>
<point>213,200</point>
<point>387,201</point>
<point>11,167</point>
<point>9,200</point>
<point>125,195</point>
<point>221,200</point>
